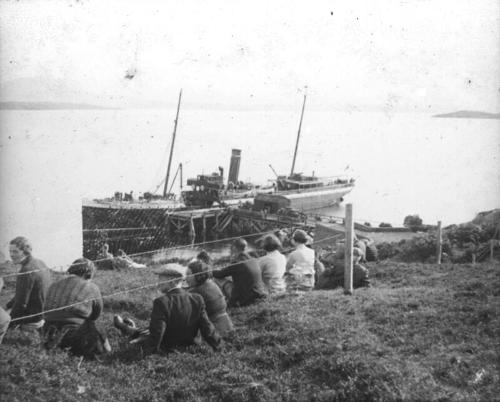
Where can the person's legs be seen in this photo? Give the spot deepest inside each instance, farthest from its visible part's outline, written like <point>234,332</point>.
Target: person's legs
<point>4,323</point>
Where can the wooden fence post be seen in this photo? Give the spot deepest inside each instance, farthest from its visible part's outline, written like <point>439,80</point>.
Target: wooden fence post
<point>439,246</point>
<point>492,245</point>
<point>349,237</point>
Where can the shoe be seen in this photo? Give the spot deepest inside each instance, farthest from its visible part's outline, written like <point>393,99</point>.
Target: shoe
<point>129,322</point>
<point>119,323</point>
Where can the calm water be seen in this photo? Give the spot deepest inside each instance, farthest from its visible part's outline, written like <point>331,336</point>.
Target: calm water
<point>447,169</point>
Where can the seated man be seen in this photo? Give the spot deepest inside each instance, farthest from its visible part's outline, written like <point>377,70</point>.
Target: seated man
<point>177,316</point>
<point>31,286</point>
<point>248,286</point>
<point>74,327</point>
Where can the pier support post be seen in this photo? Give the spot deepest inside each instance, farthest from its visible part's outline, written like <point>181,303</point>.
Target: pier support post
<point>216,227</point>
<point>349,239</point>
<point>204,230</point>
<point>439,245</point>
<point>192,231</point>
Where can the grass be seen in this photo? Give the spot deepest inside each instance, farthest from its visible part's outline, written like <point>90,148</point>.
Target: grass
<point>422,332</point>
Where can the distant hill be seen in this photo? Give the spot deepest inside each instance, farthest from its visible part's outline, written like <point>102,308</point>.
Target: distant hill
<point>470,114</point>
<point>47,106</point>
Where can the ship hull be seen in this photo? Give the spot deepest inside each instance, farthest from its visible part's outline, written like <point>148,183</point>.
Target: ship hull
<point>315,199</point>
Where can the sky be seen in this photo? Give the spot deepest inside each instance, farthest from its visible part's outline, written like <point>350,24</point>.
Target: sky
<point>414,55</point>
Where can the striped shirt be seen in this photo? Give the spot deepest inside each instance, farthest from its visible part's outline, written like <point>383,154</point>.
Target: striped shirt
<point>70,290</point>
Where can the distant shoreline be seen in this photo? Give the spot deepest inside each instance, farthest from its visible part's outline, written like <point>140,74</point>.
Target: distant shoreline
<point>51,106</point>
<point>469,114</point>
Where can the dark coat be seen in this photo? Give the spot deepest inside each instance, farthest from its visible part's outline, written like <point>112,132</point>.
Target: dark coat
<point>247,280</point>
<point>31,289</point>
<point>176,319</point>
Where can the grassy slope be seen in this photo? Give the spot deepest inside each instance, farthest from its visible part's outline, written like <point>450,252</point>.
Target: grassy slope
<point>422,332</point>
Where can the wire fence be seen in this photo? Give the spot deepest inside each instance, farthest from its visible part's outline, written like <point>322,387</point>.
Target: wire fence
<point>146,253</point>
<point>150,285</point>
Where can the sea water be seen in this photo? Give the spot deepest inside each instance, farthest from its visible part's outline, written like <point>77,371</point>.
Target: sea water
<point>444,169</point>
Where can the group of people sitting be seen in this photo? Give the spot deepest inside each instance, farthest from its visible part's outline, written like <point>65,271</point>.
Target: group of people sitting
<point>193,306</point>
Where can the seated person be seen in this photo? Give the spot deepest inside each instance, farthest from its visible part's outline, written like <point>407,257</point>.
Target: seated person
<point>247,278</point>
<point>359,272</point>
<point>199,279</point>
<point>300,268</point>
<point>74,327</point>
<point>177,317</point>
<point>105,260</point>
<point>31,286</point>
<point>273,265</point>
<point>4,317</point>
<point>334,276</point>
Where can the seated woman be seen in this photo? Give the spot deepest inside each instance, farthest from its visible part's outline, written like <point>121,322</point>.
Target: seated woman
<point>74,327</point>
<point>273,265</point>
<point>300,264</point>
<point>199,279</point>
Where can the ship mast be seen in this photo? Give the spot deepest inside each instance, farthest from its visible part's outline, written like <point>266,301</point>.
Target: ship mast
<point>172,146</point>
<point>298,136</point>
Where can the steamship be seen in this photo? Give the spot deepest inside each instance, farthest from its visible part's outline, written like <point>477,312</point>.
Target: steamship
<point>303,193</point>
<point>209,190</point>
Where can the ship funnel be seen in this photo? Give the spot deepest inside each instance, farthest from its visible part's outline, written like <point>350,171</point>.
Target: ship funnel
<point>234,166</point>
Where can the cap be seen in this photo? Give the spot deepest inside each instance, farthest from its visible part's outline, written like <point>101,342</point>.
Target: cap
<point>171,270</point>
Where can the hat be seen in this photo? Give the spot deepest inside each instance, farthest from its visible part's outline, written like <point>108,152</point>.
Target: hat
<point>171,270</point>
<point>300,236</point>
<point>82,267</point>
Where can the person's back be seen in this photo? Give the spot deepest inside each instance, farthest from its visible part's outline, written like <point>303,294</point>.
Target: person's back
<point>199,279</point>
<point>273,267</point>
<point>74,327</point>
<point>68,291</point>
<point>247,280</point>
<point>248,286</point>
<point>300,264</point>
<point>176,319</point>
<point>213,297</point>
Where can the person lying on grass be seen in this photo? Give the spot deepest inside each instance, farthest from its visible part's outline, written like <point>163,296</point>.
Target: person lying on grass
<point>74,327</point>
<point>177,317</point>
<point>199,279</point>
